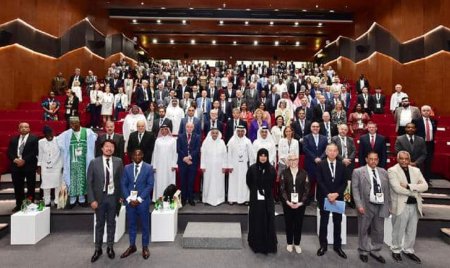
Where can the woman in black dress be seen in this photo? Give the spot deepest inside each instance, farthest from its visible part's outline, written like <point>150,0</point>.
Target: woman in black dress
<point>294,189</point>
<point>261,227</point>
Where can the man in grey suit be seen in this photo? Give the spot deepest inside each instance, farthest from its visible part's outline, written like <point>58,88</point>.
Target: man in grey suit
<point>371,192</point>
<point>251,97</point>
<point>404,115</point>
<point>413,144</point>
<point>104,192</point>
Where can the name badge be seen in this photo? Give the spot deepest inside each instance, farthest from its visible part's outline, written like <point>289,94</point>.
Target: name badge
<point>379,198</point>
<point>133,195</point>
<point>378,106</point>
<point>260,196</point>
<point>68,111</point>
<point>110,188</point>
<point>294,198</point>
<point>78,151</point>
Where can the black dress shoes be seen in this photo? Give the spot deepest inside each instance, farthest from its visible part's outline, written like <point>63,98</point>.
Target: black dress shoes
<point>397,257</point>
<point>413,257</point>
<point>321,251</point>
<point>364,258</point>
<point>84,205</point>
<point>192,203</point>
<point>71,206</point>
<point>130,250</point>
<point>97,254</point>
<point>110,252</point>
<point>145,253</point>
<point>341,253</point>
<point>183,203</point>
<point>379,258</point>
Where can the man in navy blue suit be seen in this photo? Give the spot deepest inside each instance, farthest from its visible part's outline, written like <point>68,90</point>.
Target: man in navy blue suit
<point>137,183</point>
<point>314,146</point>
<point>190,118</point>
<point>188,149</point>
<point>331,183</point>
<point>372,141</point>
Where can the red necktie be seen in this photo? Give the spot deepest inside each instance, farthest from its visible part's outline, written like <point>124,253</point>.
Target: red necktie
<point>372,141</point>
<point>427,130</point>
<point>189,138</point>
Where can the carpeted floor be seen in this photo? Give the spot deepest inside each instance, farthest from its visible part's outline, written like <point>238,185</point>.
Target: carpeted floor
<point>75,250</point>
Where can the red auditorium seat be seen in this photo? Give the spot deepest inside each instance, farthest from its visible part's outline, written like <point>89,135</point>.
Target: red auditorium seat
<point>4,163</point>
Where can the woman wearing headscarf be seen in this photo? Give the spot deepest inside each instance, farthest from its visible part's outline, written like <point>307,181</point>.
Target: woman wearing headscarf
<point>294,189</point>
<point>261,226</point>
<point>213,165</point>
<point>265,140</point>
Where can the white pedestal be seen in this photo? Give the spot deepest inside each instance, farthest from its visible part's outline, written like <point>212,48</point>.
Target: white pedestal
<point>330,232</point>
<point>164,225</point>
<point>120,226</point>
<point>30,227</point>
<point>388,231</point>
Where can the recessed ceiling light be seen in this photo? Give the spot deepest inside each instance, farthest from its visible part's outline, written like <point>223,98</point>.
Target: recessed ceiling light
<point>134,21</point>
<point>276,9</point>
<point>317,6</point>
<point>193,41</point>
<point>304,10</point>
<point>246,22</point>
<point>155,41</point>
<point>221,22</point>
<point>191,8</point>
<point>296,23</point>
<point>171,41</point>
<point>213,42</point>
<point>219,8</point>
<point>320,24</point>
<point>276,43</point>
<point>142,3</point>
<point>255,43</point>
<point>248,9</point>
<point>297,43</point>
<point>271,23</point>
<point>158,21</point>
<point>183,21</point>
<point>234,43</point>
<point>163,8</point>
<point>331,11</point>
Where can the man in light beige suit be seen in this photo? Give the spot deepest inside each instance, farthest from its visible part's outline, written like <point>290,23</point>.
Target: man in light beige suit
<point>406,184</point>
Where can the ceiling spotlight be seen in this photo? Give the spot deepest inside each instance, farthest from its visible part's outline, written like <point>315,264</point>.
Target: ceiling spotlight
<point>317,6</point>
<point>246,22</point>
<point>248,9</point>
<point>276,43</point>
<point>219,8</point>
<point>271,23</point>
<point>296,23</point>
<point>191,8</point>
<point>213,42</point>
<point>234,43</point>
<point>255,43</point>
<point>221,22</point>
<point>304,10</point>
<point>171,41</point>
<point>155,41</point>
<point>158,21</point>
<point>320,24</point>
<point>297,43</point>
<point>134,21</point>
<point>183,21</point>
<point>276,9</point>
<point>163,8</point>
<point>331,11</point>
<point>193,41</point>
<point>142,3</point>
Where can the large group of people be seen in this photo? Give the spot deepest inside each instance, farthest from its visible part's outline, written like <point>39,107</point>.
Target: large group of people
<point>245,128</point>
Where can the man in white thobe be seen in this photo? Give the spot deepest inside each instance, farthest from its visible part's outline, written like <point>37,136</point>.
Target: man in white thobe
<point>264,140</point>
<point>240,157</point>
<point>164,161</point>
<point>175,113</point>
<point>213,165</point>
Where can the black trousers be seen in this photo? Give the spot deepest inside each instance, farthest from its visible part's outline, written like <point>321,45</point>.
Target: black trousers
<point>323,231</point>
<point>18,178</point>
<point>105,212</point>
<point>293,220</point>
<point>428,161</point>
<point>95,115</point>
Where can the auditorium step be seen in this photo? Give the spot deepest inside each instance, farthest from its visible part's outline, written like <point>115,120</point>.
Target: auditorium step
<point>433,198</point>
<point>440,186</point>
<point>4,229</point>
<point>212,235</point>
<point>445,233</point>
<point>8,193</point>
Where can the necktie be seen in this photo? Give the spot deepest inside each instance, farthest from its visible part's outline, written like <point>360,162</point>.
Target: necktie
<point>22,145</point>
<point>411,140</point>
<point>427,130</point>
<point>189,138</point>
<point>372,141</point>
<point>136,170</point>
<point>107,175</point>
<point>344,147</point>
<point>203,105</point>
<point>273,100</point>
<point>161,122</point>
<point>316,140</point>
<point>376,187</point>
<point>332,170</point>
<point>108,137</point>
<point>322,107</point>
<point>140,137</point>
<point>235,124</point>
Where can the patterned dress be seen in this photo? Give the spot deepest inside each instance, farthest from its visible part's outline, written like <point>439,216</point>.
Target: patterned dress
<point>78,152</point>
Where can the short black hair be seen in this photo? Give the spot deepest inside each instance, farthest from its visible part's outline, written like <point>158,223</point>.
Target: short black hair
<point>107,140</point>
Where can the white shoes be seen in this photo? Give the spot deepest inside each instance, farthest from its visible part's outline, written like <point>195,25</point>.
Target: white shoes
<point>289,248</point>
<point>298,249</point>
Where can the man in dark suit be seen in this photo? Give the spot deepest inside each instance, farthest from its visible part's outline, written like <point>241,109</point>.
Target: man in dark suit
<point>272,100</point>
<point>361,83</point>
<point>110,135</point>
<point>302,127</point>
<point>294,88</point>
<point>183,88</point>
<point>162,120</point>
<point>137,184</point>
<point>366,100</point>
<point>346,147</point>
<point>414,145</point>
<point>190,118</point>
<point>314,146</point>
<point>426,128</point>
<point>379,101</point>
<point>115,83</point>
<point>213,122</point>
<point>212,92</point>
<point>188,149</point>
<point>103,193</point>
<point>233,123</point>
<point>230,92</point>
<point>192,79</point>
<point>372,141</point>
<point>143,140</point>
<point>225,107</point>
<point>321,107</point>
<point>22,153</point>
<point>328,128</point>
<point>331,183</point>
<point>143,95</point>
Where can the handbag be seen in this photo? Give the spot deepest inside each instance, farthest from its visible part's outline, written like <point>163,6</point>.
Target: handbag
<point>62,197</point>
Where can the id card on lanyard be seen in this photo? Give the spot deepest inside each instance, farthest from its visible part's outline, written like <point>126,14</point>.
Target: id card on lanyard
<point>294,194</point>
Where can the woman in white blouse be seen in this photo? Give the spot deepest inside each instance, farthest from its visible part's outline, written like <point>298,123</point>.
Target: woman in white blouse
<point>77,90</point>
<point>277,131</point>
<point>287,146</point>
<point>120,103</point>
<point>107,104</point>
